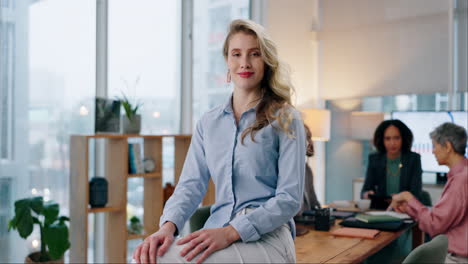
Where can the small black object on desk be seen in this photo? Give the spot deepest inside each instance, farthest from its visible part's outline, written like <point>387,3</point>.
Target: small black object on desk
<point>380,202</point>
<point>441,178</point>
<point>98,192</point>
<point>323,219</point>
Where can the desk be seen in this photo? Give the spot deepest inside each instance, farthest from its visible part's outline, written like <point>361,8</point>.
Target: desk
<point>322,247</point>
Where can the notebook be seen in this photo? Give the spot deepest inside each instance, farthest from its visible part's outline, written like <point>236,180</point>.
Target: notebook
<point>383,226</point>
<point>376,218</point>
<point>355,232</point>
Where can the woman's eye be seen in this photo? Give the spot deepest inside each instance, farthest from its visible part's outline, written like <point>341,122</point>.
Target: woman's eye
<point>256,54</point>
<point>236,54</point>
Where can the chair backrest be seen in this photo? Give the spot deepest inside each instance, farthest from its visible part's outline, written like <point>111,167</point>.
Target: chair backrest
<point>198,219</point>
<point>426,198</point>
<point>433,251</point>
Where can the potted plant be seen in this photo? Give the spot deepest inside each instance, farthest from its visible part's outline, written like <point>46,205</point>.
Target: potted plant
<point>135,226</point>
<point>131,121</point>
<point>54,231</point>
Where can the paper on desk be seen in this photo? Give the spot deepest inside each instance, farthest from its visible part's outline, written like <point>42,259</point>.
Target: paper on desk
<point>390,213</point>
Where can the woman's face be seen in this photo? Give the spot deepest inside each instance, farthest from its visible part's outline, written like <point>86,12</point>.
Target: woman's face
<point>245,62</point>
<point>440,152</point>
<point>392,140</point>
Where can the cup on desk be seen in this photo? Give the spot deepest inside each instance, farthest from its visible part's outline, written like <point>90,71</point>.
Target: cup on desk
<point>363,205</point>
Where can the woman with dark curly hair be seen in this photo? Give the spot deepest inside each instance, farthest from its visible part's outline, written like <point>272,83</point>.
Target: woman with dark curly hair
<point>393,168</point>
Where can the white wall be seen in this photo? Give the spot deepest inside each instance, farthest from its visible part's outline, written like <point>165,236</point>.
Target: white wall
<point>384,47</point>
<point>342,49</point>
<point>291,24</point>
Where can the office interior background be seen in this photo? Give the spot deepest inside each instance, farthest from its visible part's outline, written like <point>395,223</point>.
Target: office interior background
<point>56,56</point>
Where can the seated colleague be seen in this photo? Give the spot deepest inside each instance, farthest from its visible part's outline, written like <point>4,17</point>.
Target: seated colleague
<point>309,201</point>
<point>450,215</point>
<point>394,168</point>
<point>253,149</point>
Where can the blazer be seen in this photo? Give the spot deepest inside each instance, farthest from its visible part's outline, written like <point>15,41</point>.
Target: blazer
<point>410,174</point>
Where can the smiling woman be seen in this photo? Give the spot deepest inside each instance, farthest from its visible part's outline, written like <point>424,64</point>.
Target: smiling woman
<point>253,148</point>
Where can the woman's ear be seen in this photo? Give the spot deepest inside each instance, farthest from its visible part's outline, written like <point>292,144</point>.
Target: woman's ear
<point>448,147</point>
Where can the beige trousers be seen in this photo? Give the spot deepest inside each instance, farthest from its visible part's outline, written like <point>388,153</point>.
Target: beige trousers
<point>451,258</point>
<point>274,247</point>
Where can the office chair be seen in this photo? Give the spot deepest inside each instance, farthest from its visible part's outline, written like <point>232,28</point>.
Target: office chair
<point>434,251</point>
<point>198,219</point>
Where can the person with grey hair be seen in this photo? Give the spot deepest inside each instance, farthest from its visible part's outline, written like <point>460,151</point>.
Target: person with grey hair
<point>450,215</point>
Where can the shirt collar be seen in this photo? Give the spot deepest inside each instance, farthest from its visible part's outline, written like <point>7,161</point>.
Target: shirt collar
<point>459,167</point>
<point>228,106</point>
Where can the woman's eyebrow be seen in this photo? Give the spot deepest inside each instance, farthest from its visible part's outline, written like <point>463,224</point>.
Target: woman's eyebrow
<point>238,49</point>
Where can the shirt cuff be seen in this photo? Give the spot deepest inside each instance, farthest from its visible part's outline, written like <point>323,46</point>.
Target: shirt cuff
<point>414,206</point>
<point>246,230</point>
<point>177,220</point>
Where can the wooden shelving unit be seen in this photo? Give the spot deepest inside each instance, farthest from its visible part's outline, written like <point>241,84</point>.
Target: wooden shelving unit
<point>116,167</point>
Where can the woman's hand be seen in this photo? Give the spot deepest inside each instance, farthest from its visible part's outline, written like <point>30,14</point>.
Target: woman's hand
<point>207,241</point>
<point>400,201</point>
<point>158,243</point>
<point>366,194</point>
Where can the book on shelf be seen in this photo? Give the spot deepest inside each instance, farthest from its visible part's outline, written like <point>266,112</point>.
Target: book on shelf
<point>135,160</point>
<point>366,218</point>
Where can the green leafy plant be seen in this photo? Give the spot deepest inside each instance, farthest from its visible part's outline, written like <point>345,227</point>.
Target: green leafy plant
<point>130,109</point>
<point>135,226</point>
<point>54,231</point>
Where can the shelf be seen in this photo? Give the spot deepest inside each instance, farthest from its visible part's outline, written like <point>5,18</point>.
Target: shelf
<point>146,175</point>
<point>136,236</point>
<point>104,209</point>
<point>117,174</point>
<point>122,136</point>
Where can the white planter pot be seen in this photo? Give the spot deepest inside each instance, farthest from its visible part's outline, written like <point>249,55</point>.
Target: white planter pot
<point>130,126</point>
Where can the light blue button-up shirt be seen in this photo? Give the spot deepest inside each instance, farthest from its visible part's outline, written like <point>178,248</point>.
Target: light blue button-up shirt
<point>267,174</point>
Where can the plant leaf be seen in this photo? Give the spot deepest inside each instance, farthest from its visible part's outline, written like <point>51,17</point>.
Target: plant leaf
<point>36,220</point>
<point>37,204</point>
<point>23,220</point>
<point>51,212</point>
<point>56,238</point>
<point>12,224</point>
<point>63,219</point>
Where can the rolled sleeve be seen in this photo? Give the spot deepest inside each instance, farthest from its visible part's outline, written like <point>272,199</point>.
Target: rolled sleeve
<point>244,227</point>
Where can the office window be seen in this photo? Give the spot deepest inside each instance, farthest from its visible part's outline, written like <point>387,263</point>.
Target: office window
<point>7,51</point>
<point>210,24</point>
<point>144,59</point>
<point>144,63</point>
<point>47,75</point>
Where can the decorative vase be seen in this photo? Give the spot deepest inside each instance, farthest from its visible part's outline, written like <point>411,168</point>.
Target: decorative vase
<point>98,192</point>
<point>34,258</point>
<point>132,126</point>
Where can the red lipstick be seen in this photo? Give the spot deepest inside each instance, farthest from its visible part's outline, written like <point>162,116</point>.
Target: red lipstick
<point>245,74</point>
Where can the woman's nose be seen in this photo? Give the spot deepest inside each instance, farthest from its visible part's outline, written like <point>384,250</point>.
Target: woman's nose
<point>245,63</point>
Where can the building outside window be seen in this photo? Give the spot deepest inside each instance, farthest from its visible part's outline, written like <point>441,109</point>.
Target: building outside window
<point>210,24</point>
<point>144,49</point>
<point>47,74</point>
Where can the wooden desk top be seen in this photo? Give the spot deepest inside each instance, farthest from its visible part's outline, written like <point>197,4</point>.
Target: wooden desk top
<point>322,247</point>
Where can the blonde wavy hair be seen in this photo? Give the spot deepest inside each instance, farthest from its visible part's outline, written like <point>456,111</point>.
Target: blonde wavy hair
<point>276,87</point>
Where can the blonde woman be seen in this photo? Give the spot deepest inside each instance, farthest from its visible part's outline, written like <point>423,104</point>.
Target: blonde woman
<point>253,149</point>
